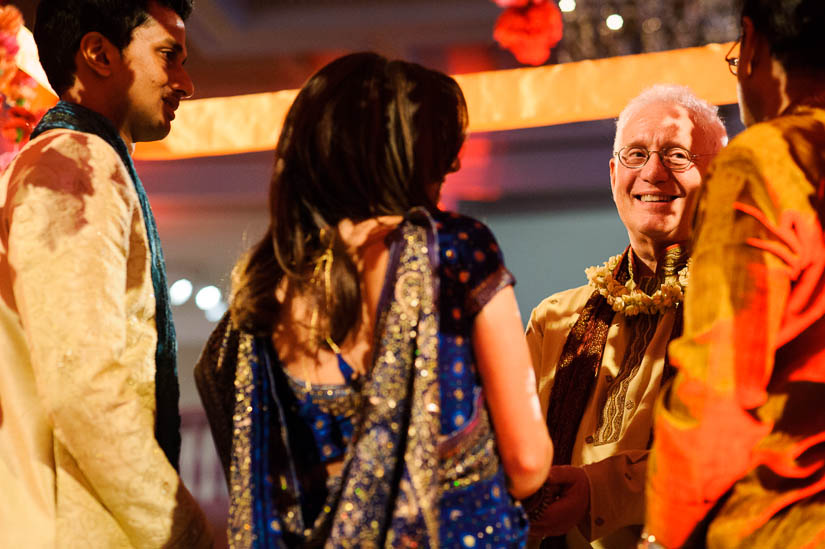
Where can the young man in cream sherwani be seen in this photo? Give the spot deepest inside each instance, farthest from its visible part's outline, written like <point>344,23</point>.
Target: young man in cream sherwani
<point>89,426</point>
<point>600,349</point>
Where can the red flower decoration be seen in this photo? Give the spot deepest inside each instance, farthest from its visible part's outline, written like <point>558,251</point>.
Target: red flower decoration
<point>512,3</point>
<point>17,90</point>
<point>18,125</point>
<point>529,32</point>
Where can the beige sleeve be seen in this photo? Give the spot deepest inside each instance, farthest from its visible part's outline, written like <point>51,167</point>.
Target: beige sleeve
<point>535,336</point>
<point>617,491</point>
<point>546,334</point>
<point>544,359</point>
<point>68,245</point>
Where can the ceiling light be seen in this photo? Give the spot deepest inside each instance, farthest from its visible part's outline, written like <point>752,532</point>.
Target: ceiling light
<point>215,313</point>
<point>207,298</point>
<point>614,22</point>
<point>180,292</point>
<point>567,5</point>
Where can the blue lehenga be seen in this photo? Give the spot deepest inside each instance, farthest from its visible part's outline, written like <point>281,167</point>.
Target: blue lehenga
<point>420,465</point>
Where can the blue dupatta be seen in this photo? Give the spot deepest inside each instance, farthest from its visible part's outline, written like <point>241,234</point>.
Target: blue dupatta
<point>389,491</point>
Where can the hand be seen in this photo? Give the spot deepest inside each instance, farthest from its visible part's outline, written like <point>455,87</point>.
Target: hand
<point>561,503</point>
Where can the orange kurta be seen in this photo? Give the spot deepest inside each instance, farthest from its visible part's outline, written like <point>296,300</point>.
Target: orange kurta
<point>739,436</point>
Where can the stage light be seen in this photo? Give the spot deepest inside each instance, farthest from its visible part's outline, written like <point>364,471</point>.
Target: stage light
<point>567,5</point>
<point>207,298</point>
<point>614,22</point>
<point>215,313</point>
<point>180,292</point>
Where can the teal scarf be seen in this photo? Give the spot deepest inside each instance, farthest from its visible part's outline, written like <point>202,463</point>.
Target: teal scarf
<point>71,116</point>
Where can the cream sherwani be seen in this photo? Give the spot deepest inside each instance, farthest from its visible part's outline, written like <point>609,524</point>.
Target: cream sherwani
<point>79,464</point>
<point>615,432</point>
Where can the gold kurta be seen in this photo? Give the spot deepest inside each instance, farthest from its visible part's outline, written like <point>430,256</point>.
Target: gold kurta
<point>615,431</point>
<point>739,437</point>
<point>79,463</point>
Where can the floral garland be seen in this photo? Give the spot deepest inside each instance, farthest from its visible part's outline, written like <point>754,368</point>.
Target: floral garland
<point>18,116</point>
<point>628,298</point>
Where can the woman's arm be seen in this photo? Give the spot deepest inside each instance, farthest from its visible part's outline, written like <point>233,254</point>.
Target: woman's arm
<point>509,385</point>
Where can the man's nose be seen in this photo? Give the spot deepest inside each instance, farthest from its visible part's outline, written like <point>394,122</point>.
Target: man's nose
<point>654,169</point>
<point>183,84</point>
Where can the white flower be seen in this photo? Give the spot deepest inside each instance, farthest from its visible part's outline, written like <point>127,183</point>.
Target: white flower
<point>627,298</point>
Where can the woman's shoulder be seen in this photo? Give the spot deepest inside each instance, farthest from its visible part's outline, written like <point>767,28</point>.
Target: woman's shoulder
<point>463,238</point>
<point>453,226</point>
<point>447,220</point>
<point>470,253</point>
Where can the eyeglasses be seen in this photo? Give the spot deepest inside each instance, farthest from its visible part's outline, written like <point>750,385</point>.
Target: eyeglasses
<point>733,62</point>
<point>674,158</point>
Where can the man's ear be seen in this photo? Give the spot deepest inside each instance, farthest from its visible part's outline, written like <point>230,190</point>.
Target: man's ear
<point>98,54</point>
<point>748,49</point>
<point>612,172</point>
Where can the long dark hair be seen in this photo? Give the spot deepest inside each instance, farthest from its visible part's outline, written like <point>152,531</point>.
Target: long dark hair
<point>365,137</point>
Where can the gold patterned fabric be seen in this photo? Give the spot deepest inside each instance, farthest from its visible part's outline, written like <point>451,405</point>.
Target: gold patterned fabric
<point>79,462</point>
<point>625,357</point>
<point>739,459</point>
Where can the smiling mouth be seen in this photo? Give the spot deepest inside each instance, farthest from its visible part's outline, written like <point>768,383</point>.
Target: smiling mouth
<point>655,197</point>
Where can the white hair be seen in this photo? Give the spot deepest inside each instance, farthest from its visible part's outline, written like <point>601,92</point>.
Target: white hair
<point>704,115</point>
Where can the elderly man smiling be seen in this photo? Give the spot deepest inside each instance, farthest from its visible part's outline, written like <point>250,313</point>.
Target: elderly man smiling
<point>600,350</point>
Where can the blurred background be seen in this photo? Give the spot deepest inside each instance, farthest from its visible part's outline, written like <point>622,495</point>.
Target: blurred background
<point>544,191</point>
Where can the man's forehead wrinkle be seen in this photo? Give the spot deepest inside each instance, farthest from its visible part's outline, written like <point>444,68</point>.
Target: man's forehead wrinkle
<point>669,131</point>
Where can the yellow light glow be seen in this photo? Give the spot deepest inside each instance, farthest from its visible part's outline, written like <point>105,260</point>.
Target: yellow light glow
<point>497,100</point>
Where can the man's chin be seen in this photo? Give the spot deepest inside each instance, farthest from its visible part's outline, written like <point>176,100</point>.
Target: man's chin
<point>665,236</point>
<point>155,133</point>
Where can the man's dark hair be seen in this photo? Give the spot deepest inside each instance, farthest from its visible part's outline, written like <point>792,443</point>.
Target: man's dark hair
<point>795,30</point>
<point>61,24</point>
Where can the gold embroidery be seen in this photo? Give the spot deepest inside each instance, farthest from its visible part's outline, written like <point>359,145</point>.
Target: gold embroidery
<point>240,515</point>
<point>490,286</point>
<point>469,456</point>
<point>386,391</point>
<point>336,400</point>
<point>641,328</point>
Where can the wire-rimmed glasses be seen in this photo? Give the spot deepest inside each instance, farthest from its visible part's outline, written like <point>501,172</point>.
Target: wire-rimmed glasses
<point>677,159</point>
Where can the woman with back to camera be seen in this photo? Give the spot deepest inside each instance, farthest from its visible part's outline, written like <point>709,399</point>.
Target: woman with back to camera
<point>370,385</point>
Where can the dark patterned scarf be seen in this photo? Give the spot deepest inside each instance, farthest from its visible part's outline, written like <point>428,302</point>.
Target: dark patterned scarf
<point>71,116</point>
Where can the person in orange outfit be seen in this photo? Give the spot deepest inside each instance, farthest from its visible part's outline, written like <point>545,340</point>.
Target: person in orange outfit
<point>738,458</point>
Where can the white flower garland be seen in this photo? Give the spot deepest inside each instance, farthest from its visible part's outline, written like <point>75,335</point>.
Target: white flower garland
<point>627,298</point>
